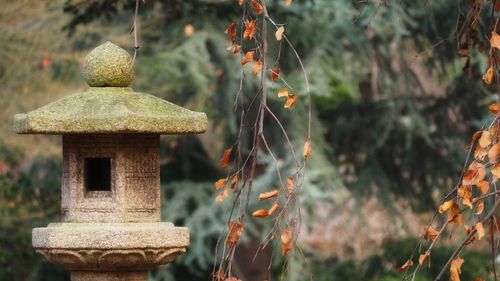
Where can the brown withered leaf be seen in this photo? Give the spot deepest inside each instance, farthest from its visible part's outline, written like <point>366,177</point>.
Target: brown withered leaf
<point>250,29</point>
<point>430,234</point>
<point>288,2</point>
<point>455,215</point>
<point>241,2</point>
<point>279,33</point>
<point>231,32</point>
<point>423,257</point>
<point>290,183</point>
<point>283,92</point>
<point>273,208</point>
<point>307,149</point>
<point>494,107</point>
<point>286,241</point>
<point>484,186</point>
<point>257,6</point>
<point>480,230</point>
<point>222,195</point>
<point>445,206</point>
<point>260,213</point>
<point>495,40</point>
<point>290,101</point>
<point>257,67</point>
<point>474,174</point>
<point>480,153</point>
<point>405,266</point>
<point>494,153</point>
<point>455,269</point>
<point>475,137</point>
<point>248,57</point>
<point>465,192</point>
<point>485,139</point>
<point>275,73</point>
<point>479,208</point>
<point>226,158</point>
<point>267,195</point>
<point>220,183</point>
<point>479,278</point>
<point>235,231</point>
<point>234,181</point>
<point>488,76</point>
<point>496,171</point>
<point>235,49</point>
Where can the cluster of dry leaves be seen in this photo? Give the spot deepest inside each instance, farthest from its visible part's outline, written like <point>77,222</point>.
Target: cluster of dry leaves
<point>248,39</point>
<point>477,185</point>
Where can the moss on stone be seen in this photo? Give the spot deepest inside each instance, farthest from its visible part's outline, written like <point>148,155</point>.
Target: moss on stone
<point>108,110</point>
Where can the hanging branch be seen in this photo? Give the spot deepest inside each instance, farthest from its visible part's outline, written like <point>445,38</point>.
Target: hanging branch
<point>284,209</point>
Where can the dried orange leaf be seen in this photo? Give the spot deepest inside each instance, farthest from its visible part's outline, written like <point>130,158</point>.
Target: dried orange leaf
<point>257,6</point>
<point>307,149</point>
<point>494,153</point>
<point>445,206</point>
<point>479,208</point>
<point>222,196</point>
<point>234,181</point>
<point>248,57</point>
<point>484,186</point>
<point>474,174</point>
<point>276,73</point>
<point>288,2</point>
<point>290,184</point>
<point>250,30</point>
<point>455,216</point>
<point>283,92</point>
<point>241,2</point>
<point>479,278</point>
<point>257,67</point>
<point>235,231</point>
<point>495,40</point>
<point>273,209</point>
<point>405,266</point>
<point>488,76</point>
<point>260,213</point>
<point>496,171</point>
<point>235,49</point>
<point>423,257</point>
<point>286,240</point>
<point>480,230</point>
<point>220,183</point>
<point>279,33</point>
<point>226,158</point>
<point>431,234</point>
<point>485,139</point>
<point>290,101</point>
<point>475,137</point>
<point>231,32</point>
<point>494,107</point>
<point>267,195</point>
<point>455,269</point>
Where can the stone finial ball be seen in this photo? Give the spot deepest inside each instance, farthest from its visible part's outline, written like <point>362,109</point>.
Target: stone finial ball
<point>108,66</point>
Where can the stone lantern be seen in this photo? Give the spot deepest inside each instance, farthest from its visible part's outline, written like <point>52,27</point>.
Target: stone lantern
<point>111,227</point>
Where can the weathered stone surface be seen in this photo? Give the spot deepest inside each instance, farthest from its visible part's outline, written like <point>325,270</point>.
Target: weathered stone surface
<point>134,194</point>
<point>108,66</point>
<point>110,246</point>
<point>109,276</point>
<point>110,110</point>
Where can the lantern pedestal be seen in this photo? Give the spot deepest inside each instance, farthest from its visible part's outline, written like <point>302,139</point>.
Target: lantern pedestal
<point>109,251</point>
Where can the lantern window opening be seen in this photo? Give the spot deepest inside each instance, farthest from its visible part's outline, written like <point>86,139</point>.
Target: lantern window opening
<point>97,174</point>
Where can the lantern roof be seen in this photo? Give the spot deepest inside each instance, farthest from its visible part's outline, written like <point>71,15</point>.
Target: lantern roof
<point>109,105</point>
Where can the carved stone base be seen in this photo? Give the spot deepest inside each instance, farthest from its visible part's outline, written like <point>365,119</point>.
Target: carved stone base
<point>109,276</point>
<point>111,251</point>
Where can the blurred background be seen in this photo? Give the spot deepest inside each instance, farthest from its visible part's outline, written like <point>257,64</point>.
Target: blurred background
<point>394,110</point>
